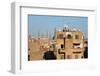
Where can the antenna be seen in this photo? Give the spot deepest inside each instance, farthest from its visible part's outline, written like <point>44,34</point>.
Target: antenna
<point>55,30</point>
<point>38,34</point>
<point>47,34</point>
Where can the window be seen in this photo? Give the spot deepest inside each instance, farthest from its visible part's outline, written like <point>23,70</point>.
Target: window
<point>60,36</point>
<point>86,52</point>
<point>76,36</point>
<point>28,57</point>
<point>62,56</point>
<point>62,46</point>
<point>86,42</point>
<point>68,57</point>
<point>69,36</point>
<point>77,52</point>
<point>28,49</point>
<point>53,46</point>
<point>76,45</point>
<point>82,57</point>
<point>76,56</point>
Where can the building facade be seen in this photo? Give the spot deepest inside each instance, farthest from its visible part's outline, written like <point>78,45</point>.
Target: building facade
<point>66,44</point>
<point>69,44</point>
<point>37,47</point>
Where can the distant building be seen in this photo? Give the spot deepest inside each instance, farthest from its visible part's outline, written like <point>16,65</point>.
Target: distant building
<point>37,47</point>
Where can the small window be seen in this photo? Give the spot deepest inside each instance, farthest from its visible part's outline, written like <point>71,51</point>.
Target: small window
<point>28,57</point>
<point>76,45</point>
<point>28,49</point>
<point>77,52</point>
<point>76,36</point>
<point>69,36</point>
<point>60,36</point>
<point>68,57</point>
<point>86,42</point>
<point>76,56</point>
<point>53,45</point>
<point>62,56</point>
<point>81,56</point>
<point>62,46</point>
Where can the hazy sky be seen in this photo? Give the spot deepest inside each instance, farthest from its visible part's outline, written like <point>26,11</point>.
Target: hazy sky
<point>44,24</point>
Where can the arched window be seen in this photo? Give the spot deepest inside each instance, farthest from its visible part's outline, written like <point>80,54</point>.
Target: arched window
<point>69,36</point>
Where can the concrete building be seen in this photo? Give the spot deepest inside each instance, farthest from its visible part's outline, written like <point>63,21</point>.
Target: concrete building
<point>37,47</point>
<point>67,43</point>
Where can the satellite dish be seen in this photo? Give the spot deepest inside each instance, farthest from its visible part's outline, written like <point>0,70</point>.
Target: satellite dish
<point>66,26</point>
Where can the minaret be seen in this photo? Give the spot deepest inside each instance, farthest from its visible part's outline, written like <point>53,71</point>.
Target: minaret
<point>55,30</point>
<point>47,34</point>
<point>38,34</point>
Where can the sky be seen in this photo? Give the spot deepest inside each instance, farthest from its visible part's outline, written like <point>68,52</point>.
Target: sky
<point>44,24</point>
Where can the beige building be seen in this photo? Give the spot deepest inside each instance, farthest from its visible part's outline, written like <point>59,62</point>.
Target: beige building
<point>67,44</point>
<point>37,47</point>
